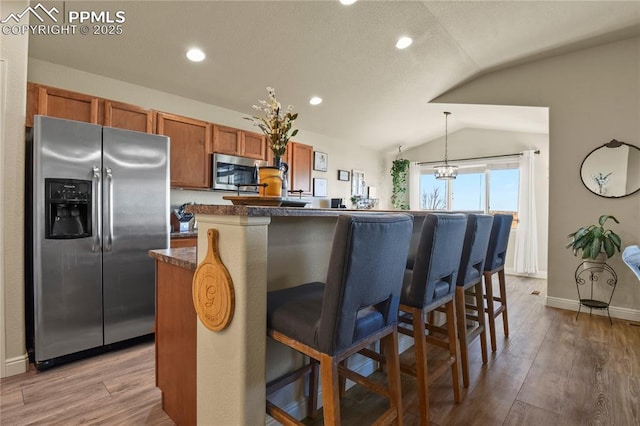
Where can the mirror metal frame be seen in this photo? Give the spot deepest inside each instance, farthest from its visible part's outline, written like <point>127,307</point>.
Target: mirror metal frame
<point>612,144</point>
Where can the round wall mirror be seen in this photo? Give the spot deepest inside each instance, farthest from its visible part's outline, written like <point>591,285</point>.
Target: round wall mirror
<point>612,170</point>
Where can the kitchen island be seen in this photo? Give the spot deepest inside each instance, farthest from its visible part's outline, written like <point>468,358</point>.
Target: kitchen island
<point>263,249</point>
<point>175,328</point>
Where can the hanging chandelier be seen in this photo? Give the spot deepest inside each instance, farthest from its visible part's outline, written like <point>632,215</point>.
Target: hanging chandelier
<point>445,170</point>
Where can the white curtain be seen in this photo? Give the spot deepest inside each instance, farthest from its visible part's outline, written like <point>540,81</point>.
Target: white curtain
<point>526,252</point>
<point>414,186</point>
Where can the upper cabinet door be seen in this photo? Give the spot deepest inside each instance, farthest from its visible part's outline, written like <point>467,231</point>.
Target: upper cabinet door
<point>301,157</point>
<point>129,117</point>
<point>63,104</point>
<point>227,140</point>
<point>190,150</point>
<point>254,145</point>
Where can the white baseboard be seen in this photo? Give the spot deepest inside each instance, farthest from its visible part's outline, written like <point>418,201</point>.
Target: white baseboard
<point>540,274</point>
<point>363,366</point>
<point>615,312</point>
<point>16,365</point>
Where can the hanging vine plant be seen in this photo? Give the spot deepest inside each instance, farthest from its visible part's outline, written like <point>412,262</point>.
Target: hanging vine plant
<point>399,174</point>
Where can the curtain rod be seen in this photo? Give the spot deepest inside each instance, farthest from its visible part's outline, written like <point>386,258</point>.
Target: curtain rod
<point>420,163</point>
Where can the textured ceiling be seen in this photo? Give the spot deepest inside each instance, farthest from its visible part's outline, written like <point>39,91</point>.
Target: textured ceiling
<point>374,94</point>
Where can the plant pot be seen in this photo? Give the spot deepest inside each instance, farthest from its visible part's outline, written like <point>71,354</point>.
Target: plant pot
<point>272,176</point>
<point>597,263</point>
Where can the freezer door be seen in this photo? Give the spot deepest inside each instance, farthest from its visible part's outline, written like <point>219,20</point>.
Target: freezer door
<point>135,220</point>
<point>67,286</point>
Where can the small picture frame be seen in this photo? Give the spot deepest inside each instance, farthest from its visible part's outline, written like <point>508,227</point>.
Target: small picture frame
<point>344,175</point>
<point>320,160</point>
<point>319,187</point>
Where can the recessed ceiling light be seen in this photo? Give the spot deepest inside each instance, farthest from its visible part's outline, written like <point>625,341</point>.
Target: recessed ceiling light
<point>404,42</point>
<point>195,55</point>
<point>315,100</point>
<point>348,2</point>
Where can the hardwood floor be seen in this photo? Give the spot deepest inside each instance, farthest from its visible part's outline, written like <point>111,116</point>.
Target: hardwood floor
<point>116,388</point>
<point>553,370</point>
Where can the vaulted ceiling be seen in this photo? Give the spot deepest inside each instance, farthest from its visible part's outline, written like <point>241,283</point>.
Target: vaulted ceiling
<point>374,94</point>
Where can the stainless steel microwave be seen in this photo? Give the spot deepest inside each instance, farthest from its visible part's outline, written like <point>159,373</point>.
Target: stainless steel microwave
<point>232,173</point>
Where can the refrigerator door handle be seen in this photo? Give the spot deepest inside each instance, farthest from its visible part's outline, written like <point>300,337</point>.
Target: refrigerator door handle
<point>97,209</point>
<point>109,239</point>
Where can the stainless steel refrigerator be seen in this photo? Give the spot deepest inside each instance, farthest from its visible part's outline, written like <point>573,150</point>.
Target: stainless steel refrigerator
<point>98,200</point>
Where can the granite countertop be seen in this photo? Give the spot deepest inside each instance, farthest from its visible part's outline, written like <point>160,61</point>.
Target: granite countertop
<point>227,210</point>
<point>184,257</point>
<point>184,234</point>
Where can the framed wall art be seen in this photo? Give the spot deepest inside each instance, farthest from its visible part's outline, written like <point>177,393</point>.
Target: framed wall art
<point>319,187</point>
<point>344,175</point>
<point>320,160</point>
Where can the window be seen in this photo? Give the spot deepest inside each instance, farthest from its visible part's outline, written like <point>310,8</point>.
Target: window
<point>468,192</point>
<point>480,188</point>
<point>433,193</point>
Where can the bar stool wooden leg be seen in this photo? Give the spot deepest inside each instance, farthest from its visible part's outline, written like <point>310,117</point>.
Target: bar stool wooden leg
<point>488,289</point>
<point>503,301</point>
<point>462,334</point>
<point>390,342</point>
<point>453,348</point>
<point>312,402</point>
<point>342,381</point>
<point>481,322</point>
<point>420,344</point>
<point>330,390</point>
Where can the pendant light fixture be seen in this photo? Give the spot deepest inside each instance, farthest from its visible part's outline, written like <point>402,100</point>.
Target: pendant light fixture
<point>445,170</point>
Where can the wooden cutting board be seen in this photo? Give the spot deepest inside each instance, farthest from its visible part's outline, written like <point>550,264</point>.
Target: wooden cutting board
<point>212,288</point>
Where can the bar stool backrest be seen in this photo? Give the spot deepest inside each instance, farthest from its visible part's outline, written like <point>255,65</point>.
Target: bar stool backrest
<point>474,251</point>
<point>497,250</point>
<point>435,269</point>
<point>364,279</point>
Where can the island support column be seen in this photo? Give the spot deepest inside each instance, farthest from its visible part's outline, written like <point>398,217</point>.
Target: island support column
<point>231,363</point>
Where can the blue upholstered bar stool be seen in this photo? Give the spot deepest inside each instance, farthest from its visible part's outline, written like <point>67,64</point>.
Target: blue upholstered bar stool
<point>469,285</point>
<point>430,282</point>
<point>496,254</point>
<point>357,307</point>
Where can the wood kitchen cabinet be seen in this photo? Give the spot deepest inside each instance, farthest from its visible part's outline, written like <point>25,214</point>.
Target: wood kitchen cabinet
<point>176,342</point>
<point>227,140</point>
<point>190,150</point>
<point>130,117</point>
<point>184,242</point>
<point>254,145</point>
<point>300,165</point>
<point>53,102</point>
<point>299,157</point>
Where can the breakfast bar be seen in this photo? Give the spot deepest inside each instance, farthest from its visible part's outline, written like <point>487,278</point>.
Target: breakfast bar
<point>263,249</point>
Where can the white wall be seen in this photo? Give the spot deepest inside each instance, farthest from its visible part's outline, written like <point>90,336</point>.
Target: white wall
<point>470,142</point>
<point>344,155</point>
<point>593,96</point>
<point>13,60</point>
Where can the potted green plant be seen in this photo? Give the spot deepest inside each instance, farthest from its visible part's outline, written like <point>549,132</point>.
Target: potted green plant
<point>399,172</point>
<point>594,241</point>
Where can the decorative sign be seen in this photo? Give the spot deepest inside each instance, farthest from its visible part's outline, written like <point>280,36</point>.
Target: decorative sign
<point>212,290</point>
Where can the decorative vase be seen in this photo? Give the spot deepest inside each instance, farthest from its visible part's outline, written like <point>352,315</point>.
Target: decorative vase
<point>277,162</point>
<point>272,176</point>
